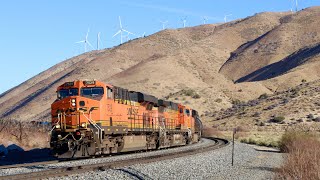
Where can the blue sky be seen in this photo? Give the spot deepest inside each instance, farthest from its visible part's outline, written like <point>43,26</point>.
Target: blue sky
<point>37,34</point>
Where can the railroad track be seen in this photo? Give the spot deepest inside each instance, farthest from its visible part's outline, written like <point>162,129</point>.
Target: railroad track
<point>64,171</point>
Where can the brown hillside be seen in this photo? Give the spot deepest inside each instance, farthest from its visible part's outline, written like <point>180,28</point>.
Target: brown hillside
<point>295,41</point>
<point>168,63</point>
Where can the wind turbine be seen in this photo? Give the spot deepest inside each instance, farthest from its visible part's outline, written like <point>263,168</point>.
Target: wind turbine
<point>98,41</point>
<point>205,19</point>
<point>184,21</point>
<point>85,41</point>
<point>164,24</point>
<point>127,36</point>
<point>225,17</point>
<point>121,31</point>
<point>296,5</point>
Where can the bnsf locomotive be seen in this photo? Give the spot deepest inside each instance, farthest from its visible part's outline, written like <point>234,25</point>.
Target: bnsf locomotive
<point>93,118</point>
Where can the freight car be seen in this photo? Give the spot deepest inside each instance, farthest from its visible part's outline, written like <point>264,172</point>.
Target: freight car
<point>93,118</point>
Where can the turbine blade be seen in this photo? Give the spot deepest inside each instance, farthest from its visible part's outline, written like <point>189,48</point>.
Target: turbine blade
<point>80,41</point>
<point>90,45</point>
<point>87,33</point>
<point>128,32</point>
<point>116,33</point>
<point>120,22</point>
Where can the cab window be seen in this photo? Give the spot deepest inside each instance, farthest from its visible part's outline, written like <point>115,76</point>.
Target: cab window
<point>187,112</point>
<point>92,91</point>
<point>63,93</point>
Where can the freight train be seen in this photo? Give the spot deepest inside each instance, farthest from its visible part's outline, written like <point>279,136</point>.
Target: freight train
<point>91,118</point>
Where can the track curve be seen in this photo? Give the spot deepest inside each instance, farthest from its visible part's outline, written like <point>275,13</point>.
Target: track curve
<point>63,171</point>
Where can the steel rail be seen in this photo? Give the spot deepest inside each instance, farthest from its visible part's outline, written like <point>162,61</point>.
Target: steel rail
<point>64,171</point>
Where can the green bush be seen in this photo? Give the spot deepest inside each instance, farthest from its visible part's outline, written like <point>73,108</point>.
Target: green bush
<point>251,141</point>
<point>262,143</point>
<point>278,119</point>
<point>263,96</point>
<point>273,144</point>
<point>236,101</point>
<point>243,141</point>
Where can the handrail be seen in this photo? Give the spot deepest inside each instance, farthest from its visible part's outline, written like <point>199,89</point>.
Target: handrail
<point>96,126</point>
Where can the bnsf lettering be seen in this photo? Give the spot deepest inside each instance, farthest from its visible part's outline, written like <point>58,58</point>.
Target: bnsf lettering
<point>132,111</point>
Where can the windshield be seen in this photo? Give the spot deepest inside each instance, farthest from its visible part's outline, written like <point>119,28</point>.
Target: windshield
<point>62,93</point>
<point>92,91</point>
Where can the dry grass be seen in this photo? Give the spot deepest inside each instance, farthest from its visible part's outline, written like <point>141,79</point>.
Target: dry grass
<point>211,132</point>
<point>303,159</point>
<point>26,135</point>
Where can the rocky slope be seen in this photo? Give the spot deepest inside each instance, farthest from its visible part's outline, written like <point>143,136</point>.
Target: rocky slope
<point>263,53</point>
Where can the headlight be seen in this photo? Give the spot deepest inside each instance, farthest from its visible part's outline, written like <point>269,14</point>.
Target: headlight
<point>83,125</point>
<point>57,126</point>
<point>73,104</point>
<point>73,100</point>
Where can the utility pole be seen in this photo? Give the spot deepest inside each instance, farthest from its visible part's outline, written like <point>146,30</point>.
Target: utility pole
<point>233,133</point>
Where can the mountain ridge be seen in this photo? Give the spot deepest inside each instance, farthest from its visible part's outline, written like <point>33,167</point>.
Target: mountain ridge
<point>207,59</point>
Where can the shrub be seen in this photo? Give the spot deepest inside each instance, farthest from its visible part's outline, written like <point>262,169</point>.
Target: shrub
<point>211,132</point>
<point>196,96</point>
<point>218,100</point>
<point>236,102</point>
<point>251,141</point>
<point>303,160</point>
<point>262,143</point>
<point>317,119</point>
<point>243,141</point>
<point>263,96</point>
<point>24,134</point>
<point>273,144</point>
<point>188,92</point>
<point>262,124</point>
<point>278,119</point>
<point>256,114</point>
<point>310,116</point>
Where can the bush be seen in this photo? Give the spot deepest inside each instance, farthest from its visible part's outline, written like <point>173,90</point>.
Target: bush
<point>236,102</point>
<point>24,134</point>
<point>278,119</point>
<point>243,141</point>
<point>317,119</point>
<point>211,132</point>
<point>273,144</point>
<point>188,92</point>
<point>196,96</point>
<point>263,96</point>
<point>262,124</point>
<point>310,116</point>
<point>303,160</point>
<point>251,141</point>
<point>262,143</point>
<point>218,100</point>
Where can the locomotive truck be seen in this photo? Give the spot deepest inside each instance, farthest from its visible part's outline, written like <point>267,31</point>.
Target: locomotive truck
<point>91,118</point>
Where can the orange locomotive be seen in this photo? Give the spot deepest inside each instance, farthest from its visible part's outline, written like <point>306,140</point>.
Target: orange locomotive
<point>92,118</point>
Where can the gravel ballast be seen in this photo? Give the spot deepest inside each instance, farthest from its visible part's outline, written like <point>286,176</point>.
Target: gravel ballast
<point>12,171</point>
<point>248,164</point>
